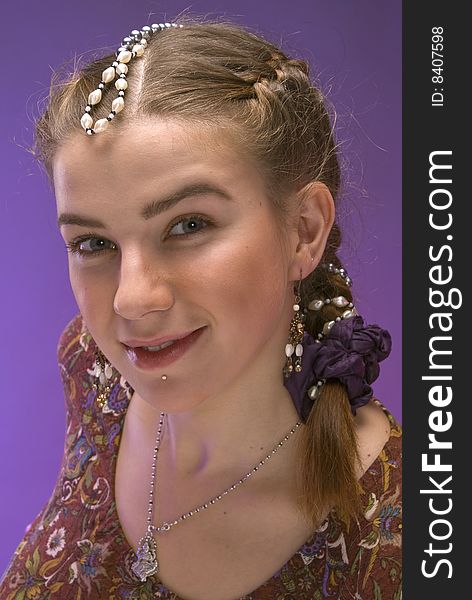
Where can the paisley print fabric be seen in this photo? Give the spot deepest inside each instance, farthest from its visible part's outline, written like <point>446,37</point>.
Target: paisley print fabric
<point>75,547</point>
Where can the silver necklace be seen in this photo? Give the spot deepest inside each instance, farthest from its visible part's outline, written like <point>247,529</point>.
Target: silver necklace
<point>146,563</point>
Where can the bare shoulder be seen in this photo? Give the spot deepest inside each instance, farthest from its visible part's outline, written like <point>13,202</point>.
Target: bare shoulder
<point>373,430</point>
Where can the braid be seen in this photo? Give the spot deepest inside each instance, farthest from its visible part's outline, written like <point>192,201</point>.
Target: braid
<point>321,284</point>
<point>328,444</point>
<point>283,74</point>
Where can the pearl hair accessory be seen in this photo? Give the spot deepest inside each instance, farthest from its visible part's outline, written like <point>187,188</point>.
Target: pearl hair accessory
<point>338,301</point>
<point>132,46</point>
<point>341,272</point>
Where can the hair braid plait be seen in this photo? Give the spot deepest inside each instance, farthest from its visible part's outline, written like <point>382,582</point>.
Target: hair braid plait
<point>283,73</point>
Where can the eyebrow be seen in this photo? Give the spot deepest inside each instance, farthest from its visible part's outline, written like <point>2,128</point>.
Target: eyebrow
<point>156,207</point>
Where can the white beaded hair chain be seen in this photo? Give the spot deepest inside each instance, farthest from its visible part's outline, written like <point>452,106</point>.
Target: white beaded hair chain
<point>131,46</point>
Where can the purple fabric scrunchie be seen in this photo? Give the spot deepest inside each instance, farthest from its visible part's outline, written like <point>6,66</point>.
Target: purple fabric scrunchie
<point>350,352</point>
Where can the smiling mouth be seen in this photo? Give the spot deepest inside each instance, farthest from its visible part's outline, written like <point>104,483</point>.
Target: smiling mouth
<point>164,355</point>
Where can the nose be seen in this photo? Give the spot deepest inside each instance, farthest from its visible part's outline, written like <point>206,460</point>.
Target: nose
<point>142,288</point>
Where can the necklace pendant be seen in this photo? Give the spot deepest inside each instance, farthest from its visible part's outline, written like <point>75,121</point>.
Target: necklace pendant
<point>146,563</point>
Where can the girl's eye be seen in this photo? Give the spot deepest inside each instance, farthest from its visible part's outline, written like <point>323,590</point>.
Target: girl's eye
<point>191,220</point>
<point>74,247</point>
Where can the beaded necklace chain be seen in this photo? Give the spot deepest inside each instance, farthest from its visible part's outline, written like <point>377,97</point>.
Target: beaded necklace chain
<point>146,563</point>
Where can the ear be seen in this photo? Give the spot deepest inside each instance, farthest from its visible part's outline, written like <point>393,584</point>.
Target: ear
<point>315,216</point>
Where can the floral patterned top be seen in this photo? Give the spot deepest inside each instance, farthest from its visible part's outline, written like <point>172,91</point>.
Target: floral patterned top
<point>75,547</point>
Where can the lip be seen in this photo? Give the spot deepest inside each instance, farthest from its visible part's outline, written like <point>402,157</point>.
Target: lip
<point>134,343</point>
<point>146,359</point>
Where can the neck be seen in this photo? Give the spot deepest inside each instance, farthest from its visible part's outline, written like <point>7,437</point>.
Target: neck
<point>224,436</point>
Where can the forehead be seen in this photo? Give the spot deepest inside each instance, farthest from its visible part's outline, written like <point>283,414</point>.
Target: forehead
<point>136,159</point>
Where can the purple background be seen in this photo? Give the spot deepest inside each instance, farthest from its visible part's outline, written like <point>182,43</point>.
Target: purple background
<point>355,49</point>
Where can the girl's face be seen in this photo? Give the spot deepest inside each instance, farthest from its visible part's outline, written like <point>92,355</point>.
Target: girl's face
<point>152,261</point>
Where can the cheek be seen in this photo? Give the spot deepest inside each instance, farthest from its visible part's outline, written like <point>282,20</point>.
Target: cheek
<point>245,283</point>
<point>90,292</point>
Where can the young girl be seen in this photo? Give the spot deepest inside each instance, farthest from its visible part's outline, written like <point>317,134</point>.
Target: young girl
<point>222,438</point>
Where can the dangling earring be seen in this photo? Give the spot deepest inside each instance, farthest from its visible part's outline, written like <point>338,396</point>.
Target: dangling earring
<point>297,329</point>
<point>103,371</point>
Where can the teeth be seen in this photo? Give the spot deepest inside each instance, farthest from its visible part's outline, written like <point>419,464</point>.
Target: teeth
<point>155,348</point>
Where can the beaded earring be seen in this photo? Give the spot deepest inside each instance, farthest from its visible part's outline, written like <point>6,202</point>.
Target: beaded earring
<point>294,345</point>
<point>103,371</point>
